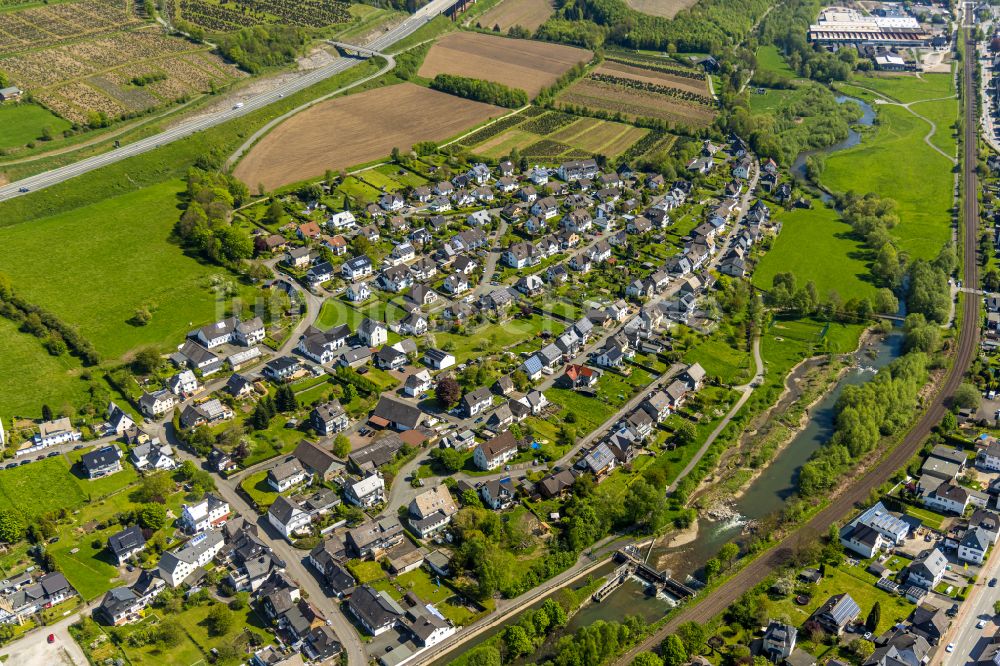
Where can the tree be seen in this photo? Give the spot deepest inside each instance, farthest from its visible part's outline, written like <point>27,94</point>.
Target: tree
<point>486,655</point>
<point>450,459</point>
<point>729,552</point>
<point>685,433</point>
<point>169,633</point>
<point>141,316</point>
<point>966,397</point>
<point>275,211</point>
<point>447,392</point>
<point>11,526</point>
<point>874,615</point>
<point>219,620</point>
<point>46,413</point>
<point>862,649</point>
<point>153,516</point>
<point>285,400</point>
<point>516,641</point>
<point>693,636</point>
<point>712,568</point>
<point>154,488</point>
<point>146,360</point>
<point>673,651</point>
<point>647,659</point>
<point>341,446</point>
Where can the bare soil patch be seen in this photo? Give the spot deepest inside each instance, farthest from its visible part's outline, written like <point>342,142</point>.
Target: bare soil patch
<point>518,63</point>
<point>356,129</point>
<point>665,8</point>
<point>526,13</point>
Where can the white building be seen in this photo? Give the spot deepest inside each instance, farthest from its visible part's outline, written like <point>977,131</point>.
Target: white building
<point>177,565</point>
<point>287,517</point>
<point>206,514</point>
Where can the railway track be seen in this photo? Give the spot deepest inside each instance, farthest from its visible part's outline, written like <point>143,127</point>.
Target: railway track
<point>968,340</point>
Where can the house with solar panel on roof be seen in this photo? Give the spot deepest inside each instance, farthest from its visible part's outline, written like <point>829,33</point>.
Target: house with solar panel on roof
<point>836,613</point>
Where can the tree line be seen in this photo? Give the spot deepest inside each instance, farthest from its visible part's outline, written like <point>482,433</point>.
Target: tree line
<point>205,226</point>
<point>488,92</point>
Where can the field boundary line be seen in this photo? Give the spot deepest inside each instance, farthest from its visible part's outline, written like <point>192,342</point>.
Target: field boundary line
<point>484,126</point>
<point>263,131</point>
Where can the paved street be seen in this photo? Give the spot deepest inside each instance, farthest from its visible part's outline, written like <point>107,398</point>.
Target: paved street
<point>34,649</point>
<point>182,130</point>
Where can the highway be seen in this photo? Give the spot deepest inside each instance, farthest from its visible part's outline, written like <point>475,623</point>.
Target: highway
<point>703,610</point>
<point>61,174</point>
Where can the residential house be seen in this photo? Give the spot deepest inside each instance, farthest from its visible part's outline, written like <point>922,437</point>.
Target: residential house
<point>176,565</point>
<point>431,510</point>
<point>477,401</point>
<point>396,414</point>
<point>836,613</point>
<point>498,494</point>
<point>357,268</point>
<point>318,461</point>
<point>372,333</point>
<point>286,475</point>
<point>376,611</point>
<point>125,544</point>
<point>58,431</point>
<point>209,513</point>
<point>374,537</point>
<point>101,462</point>
<point>366,493</point>
<point>495,452</point>
<point>438,359</point>
<point>288,517</point>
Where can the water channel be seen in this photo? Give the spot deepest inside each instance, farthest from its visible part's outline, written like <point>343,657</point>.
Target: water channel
<point>765,495</point>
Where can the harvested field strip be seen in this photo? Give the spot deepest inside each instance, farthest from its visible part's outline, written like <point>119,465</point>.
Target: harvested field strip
<point>655,63</point>
<point>655,77</point>
<point>518,63</point>
<point>528,14</point>
<point>597,136</point>
<point>356,129</point>
<point>665,8</point>
<point>602,96</point>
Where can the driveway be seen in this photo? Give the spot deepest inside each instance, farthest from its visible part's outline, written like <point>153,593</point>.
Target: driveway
<point>34,648</point>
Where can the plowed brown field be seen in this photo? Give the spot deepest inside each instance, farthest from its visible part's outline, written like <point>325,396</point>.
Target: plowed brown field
<point>518,63</point>
<point>356,129</point>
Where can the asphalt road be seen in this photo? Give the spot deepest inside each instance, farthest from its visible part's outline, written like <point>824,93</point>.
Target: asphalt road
<point>840,506</point>
<point>61,174</point>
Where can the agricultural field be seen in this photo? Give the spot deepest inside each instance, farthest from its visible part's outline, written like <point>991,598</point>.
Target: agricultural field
<point>37,27</point>
<point>528,14</point>
<point>644,89</point>
<point>895,162</point>
<point>357,129</point>
<point>111,260</point>
<point>226,16</point>
<point>24,122</point>
<point>815,244</point>
<point>517,63</point>
<point>117,75</point>
<point>664,8</point>
<point>556,135</point>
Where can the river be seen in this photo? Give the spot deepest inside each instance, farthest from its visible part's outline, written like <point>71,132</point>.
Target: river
<point>853,137</point>
<point>765,495</point>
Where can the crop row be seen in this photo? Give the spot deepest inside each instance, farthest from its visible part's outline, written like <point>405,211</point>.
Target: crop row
<point>47,25</point>
<point>653,140</point>
<point>248,13</point>
<point>492,130</point>
<point>548,123</point>
<point>546,148</point>
<point>655,64</point>
<point>645,86</point>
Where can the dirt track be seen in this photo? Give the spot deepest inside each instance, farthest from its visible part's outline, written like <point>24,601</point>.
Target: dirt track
<point>518,63</point>
<point>356,129</point>
<point>722,597</point>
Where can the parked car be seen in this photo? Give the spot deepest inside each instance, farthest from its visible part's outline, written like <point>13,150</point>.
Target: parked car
<point>51,638</point>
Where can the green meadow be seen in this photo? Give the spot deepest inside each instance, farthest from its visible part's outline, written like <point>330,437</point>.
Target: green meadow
<point>93,266</point>
<point>815,244</point>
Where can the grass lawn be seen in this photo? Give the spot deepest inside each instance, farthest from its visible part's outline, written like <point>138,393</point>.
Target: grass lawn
<point>24,122</point>
<point>113,257</point>
<point>944,114</point>
<point>42,486</point>
<point>366,571</point>
<point>90,570</point>
<point>857,583</point>
<point>896,163</point>
<point>771,100</point>
<point>613,391</point>
<point>929,518</point>
<point>787,341</point>
<point>720,359</point>
<point>814,244</point>
<point>259,490</point>
<point>907,87</point>
<point>493,337</point>
<point>53,380</point>
<point>421,583</point>
<point>107,485</point>
<point>769,59</point>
